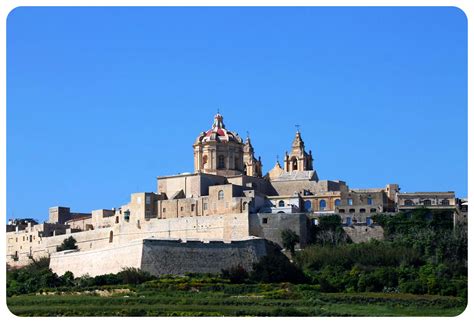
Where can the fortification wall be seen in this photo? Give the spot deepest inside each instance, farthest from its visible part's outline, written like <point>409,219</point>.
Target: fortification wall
<point>162,257</point>
<point>270,225</point>
<point>363,233</point>
<point>97,262</point>
<point>171,257</point>
<point>226,227</point>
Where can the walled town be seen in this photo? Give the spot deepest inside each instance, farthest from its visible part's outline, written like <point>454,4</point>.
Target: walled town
<point>225,213</point>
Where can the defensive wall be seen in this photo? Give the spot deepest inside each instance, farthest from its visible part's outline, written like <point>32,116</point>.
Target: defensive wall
<point>226,227</point>
<point>159,256</point>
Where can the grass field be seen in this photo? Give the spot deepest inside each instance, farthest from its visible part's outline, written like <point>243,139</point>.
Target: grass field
<point>220,299</point>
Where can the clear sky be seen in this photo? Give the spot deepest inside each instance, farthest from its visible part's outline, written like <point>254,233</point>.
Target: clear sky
<point>100,101</point>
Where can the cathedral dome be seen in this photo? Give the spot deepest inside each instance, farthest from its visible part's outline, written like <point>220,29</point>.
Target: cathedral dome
<point>218,133</point>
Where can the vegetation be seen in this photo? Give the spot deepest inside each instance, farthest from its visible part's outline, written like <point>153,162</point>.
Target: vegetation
<point>208,295</point>
<point>289,239</point>
<point>419,269</point>
<point>68,244</point>
<point>422,254</point>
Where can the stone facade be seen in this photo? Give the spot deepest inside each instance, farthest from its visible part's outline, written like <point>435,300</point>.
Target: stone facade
<point>226,199</point>
<point>158,257</point>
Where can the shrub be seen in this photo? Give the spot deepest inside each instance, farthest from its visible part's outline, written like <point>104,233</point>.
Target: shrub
<point>236,275</point>
<point>134,276</point>
<point>68,244</point>
<point>275,268</point>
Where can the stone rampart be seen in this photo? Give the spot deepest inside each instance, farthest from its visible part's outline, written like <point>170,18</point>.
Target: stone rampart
<point>162,257</point>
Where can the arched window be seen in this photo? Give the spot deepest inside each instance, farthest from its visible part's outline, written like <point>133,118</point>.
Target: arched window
<point>116,219</point>
<point>337,202</point>
<point>427,202</point>
<point>281,204</point>
<point>352,210</point>
<point>221,162</point>
<point>220,195</point>
<point>308,206</point>
<point>362,211</point>
<point>111,236</point>
<point>294,164</point>
<point>373,210</point>
<point>322,205</point>
<point>342,211</point>
<point>408,202</point>
<point>445,202</point>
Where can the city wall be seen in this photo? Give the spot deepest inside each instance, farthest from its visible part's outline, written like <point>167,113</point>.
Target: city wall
<point>162,257</point>
<point>226,227</point>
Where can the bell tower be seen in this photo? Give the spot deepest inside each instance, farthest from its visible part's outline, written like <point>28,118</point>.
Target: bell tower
<point>252,166</point>
<point>298,159</point>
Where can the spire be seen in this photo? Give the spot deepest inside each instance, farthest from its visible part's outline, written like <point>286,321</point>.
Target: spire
<point>298,142</point>
<point>247,140</point>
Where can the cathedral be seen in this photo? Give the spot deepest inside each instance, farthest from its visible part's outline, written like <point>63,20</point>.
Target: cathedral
<point>227,199</point>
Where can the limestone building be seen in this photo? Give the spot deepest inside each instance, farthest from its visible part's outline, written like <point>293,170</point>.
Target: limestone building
<point>227,199</point>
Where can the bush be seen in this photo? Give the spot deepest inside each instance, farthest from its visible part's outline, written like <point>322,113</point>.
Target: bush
<point>68,244</point>
<point>275,268</point>
<point>134,276</point>
<point>236,275</point>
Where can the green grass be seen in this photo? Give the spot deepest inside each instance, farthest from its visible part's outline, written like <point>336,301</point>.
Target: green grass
<point>222,299</point>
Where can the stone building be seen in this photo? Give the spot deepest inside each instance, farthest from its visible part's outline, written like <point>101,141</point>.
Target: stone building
<point>226,199</point>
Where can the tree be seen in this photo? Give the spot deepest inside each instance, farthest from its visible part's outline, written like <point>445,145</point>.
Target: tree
<point>68,244</point>
<point>289,239</point>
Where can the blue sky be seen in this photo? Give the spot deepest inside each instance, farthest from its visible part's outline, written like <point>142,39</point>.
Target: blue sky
<point>100,101</point>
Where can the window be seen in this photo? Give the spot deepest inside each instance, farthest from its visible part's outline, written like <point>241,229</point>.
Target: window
<point>31,238</point>
<point>408,202</point>
<point>322,205</point>
<point>220,195</point>
<point>342,211</point>
<point>368,220</point>
<point>148,199</point>
<point>192,207</point>
<point>362,211</point>
<point>164,210</point>
<point>281,204</point>
<point>221,162</point>
<point>315,221</point>
<point>116,219</point>
<point>265,220</point>
<point>351,210</point>
<point>244,206</point>
<point>445,202</point>
<point>181,209</point>
<point>349,201</point>
<point>204,206</point>
<point>349,220</point>
<point>111,236</point>
<point>236,163</point>
<point>337,202</point>
<point>427,202</point>
<point>373,210</point>
<point>369,201</point>
<point>308,206</point>
<point>294,164</point>
<point>204,160</point>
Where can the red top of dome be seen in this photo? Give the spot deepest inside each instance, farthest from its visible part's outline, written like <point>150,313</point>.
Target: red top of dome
<point>218,132</point>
